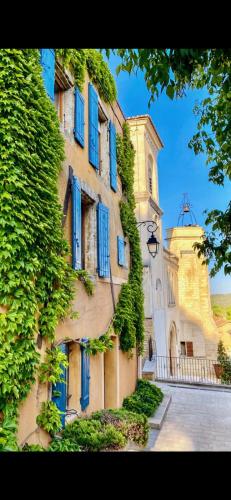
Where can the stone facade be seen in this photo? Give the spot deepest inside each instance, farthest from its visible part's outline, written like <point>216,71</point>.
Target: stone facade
<point>176,284</point>
<point>196,319</point>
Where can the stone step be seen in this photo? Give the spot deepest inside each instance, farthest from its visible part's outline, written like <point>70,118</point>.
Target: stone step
<point>156,421</point>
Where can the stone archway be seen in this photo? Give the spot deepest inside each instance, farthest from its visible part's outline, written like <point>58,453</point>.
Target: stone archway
<point>172,349</point>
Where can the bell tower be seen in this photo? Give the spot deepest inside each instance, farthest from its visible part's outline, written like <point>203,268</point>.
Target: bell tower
<point>197,324</point>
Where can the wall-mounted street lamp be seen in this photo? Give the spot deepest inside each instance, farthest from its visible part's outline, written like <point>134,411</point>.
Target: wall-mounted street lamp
<point>152,243</point>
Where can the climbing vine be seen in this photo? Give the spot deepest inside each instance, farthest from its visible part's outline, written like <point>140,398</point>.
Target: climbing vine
<point>129,315</point>
<point>50,417</point>
<point>102,344</point>
<point>51,369</point>
<point>84,277</point>
<point>36,282</point>
<point>80,60</point>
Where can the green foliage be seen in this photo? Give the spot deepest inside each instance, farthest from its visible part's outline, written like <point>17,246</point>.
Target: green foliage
<point>63,445</point>
<point>83,276</point>
<point>80,60</point>
<point>133,426</point>
<point>129,315</point>
<point>102,344</point>
<point>145,399</point>
<point>50,417</point>
<point>32,447</point>
<point>174,71</point>
<point>52,369</point>
<point>91,435</point>
<point>225,362</point>
<point>8,428</point>
<point>36,282</point>
<point>124,319</point>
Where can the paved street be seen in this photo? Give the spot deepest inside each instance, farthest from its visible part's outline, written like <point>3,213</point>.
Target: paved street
<point>197,420</point>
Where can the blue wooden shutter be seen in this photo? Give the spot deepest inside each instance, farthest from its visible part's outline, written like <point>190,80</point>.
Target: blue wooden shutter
<point>79,117</point>
<point>48,64</point>
<point>121,251</point>
<point>85,377</point>
<point>61,387</point>
<point>103,240</point>
<point>93,127</point>
<point>76,223</point>
<point>113,166</point>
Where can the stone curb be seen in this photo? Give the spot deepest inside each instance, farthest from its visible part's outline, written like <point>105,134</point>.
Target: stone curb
<point>156,421</point>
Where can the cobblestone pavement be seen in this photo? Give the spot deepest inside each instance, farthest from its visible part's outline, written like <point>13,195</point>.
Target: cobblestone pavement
<point>197,420</point>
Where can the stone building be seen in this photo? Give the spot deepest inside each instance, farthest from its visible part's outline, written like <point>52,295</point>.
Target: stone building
<point>178,314</point>
<point>92,227</point>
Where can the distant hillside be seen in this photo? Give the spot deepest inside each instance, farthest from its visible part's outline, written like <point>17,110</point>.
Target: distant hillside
<point>221,305</point>
<point>221,299</point>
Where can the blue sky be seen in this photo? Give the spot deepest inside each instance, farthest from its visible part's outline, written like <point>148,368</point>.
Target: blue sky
<point>179,169</point>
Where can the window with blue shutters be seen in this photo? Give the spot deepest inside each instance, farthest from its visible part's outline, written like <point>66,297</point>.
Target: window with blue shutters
<point>121,250</point>
<point>85,377</point>
<point>113,166</point>
<point>93,140</point>
<point>76,223</point>
<point>59,390</point>
<point>79,117</point>
<point>48,63</point>
<point>103,240</point>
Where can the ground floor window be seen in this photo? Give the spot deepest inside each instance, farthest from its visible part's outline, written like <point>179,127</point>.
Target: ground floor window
<point>186,349</point>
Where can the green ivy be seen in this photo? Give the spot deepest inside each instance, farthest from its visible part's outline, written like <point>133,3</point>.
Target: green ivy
<point>50,417</point>
<point>129,315</point>
<point>80,60</point>
<point>102,344</point>
<point>36,282</point>
<point>83,276</point>
<point>51,370</point>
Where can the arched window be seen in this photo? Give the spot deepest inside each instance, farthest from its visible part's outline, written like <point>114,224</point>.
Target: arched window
<point>158,293</point>
<point>150,174</point>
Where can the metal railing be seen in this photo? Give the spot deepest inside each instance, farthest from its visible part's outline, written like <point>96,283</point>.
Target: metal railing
<point>188,370</point>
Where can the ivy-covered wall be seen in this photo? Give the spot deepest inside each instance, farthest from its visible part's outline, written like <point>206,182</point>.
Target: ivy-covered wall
<point>36,281</point>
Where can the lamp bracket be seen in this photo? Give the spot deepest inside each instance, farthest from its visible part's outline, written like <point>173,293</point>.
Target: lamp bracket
<point>151,225</point>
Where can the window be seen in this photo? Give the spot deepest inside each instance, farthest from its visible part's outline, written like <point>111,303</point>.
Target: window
<point>83,227</point>
<point>186,349</point>
<point>150,173</point>
<point>171,288</point>
<point>61,83</point>
<point>158,293</point>
<point>59,101</point>
<point>87,205</point>
<point>102,134</point>
<point>121,250</point>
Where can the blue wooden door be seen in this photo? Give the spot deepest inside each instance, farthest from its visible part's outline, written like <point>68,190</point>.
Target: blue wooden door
<point>59,390</point>
<point>85,378</point>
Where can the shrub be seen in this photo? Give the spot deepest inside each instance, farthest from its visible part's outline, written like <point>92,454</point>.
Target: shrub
<point>91,435</point>
<point>63,445</point>
<point>225,362</point>
<point>145,399</point>
<point>133,426</point>
<point>32,447</point>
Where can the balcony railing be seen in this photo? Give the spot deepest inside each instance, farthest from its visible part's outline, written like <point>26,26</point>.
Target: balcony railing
<point>189,370</point>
